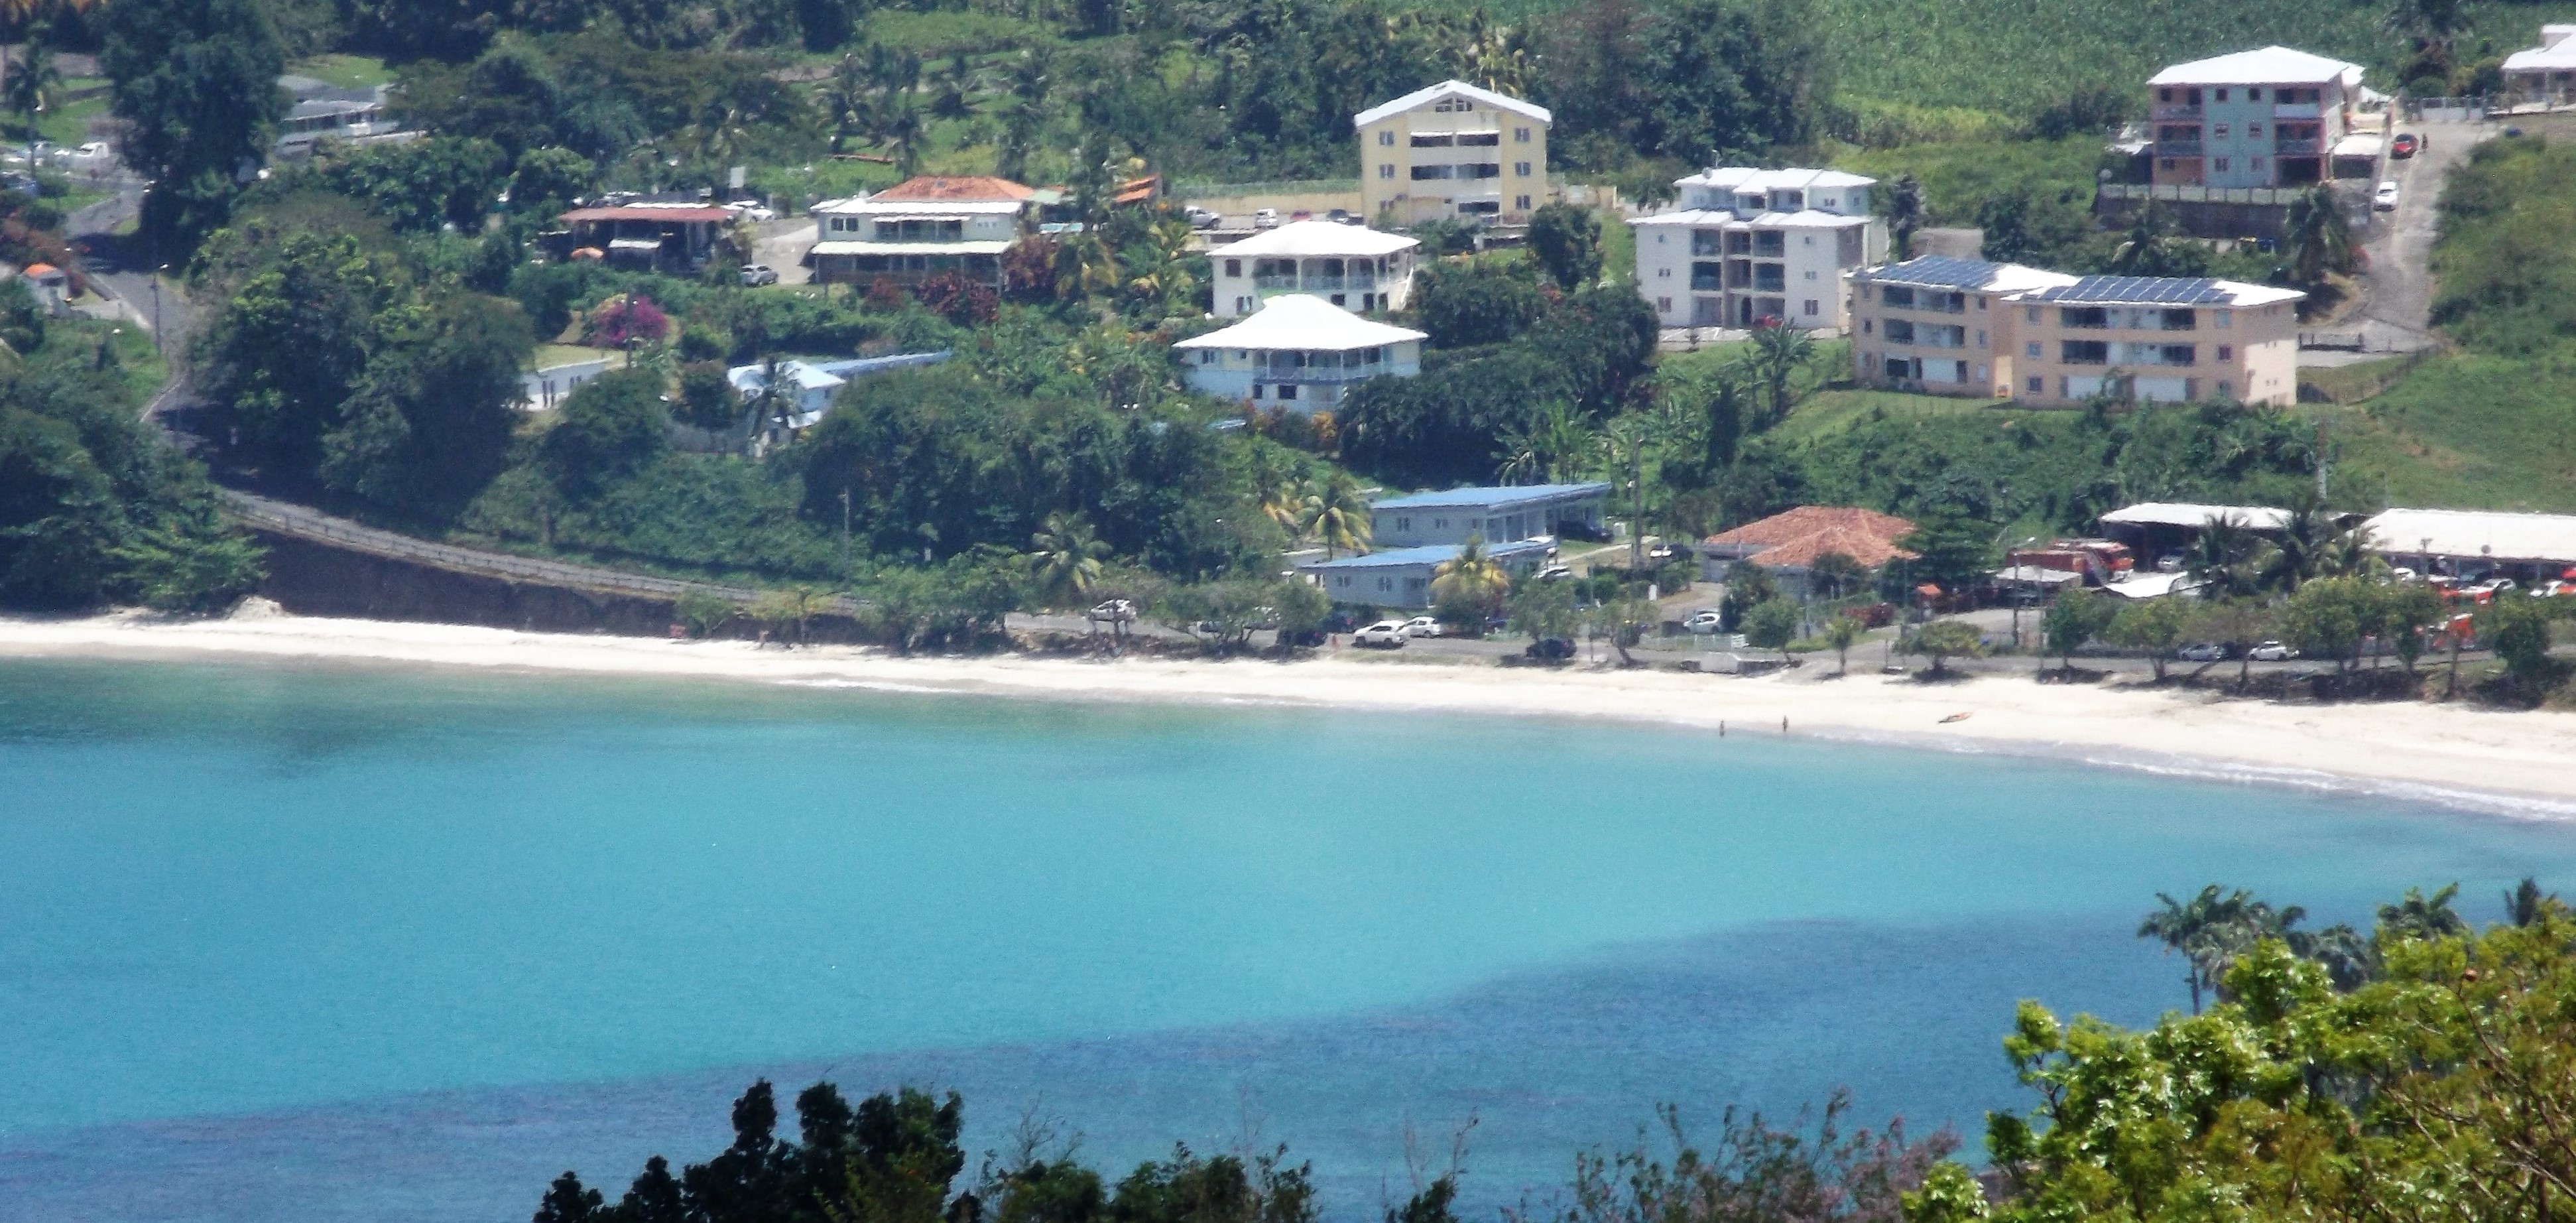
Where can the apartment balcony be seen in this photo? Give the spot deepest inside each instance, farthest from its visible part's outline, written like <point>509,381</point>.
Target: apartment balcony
<point>1314,283</point>
<point>2298,146</point>
<point>1312,375</point>
<point>2178,148</point>
<point>2297,110</point>
<point>2177,111</point>
<point>1706,284</point>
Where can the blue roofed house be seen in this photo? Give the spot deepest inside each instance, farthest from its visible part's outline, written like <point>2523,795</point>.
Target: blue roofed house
<point>1424,531</point>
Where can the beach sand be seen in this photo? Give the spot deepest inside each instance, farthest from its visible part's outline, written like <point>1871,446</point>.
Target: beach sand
<point>2510,762</point>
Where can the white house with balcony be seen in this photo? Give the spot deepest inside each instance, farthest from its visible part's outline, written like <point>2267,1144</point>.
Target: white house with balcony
<point>1354,268</point>
<point>1298,352</point>
<point>2544,75</point>
<point>1745,246</point>
<point>2276,117</point>
<point>1452,150</point>
<point>920,228</point>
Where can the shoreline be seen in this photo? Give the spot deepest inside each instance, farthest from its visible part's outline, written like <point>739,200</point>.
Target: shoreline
<point>2504,763</point>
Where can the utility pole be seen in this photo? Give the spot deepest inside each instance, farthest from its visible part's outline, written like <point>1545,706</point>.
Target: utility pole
<point>845,532</point>
<point>2321,461</point>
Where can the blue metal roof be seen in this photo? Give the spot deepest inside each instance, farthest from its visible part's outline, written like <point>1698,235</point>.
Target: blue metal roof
<point>1430,554</point>
<point>2134,290</point>
<point>1492,497</point>
<point>1941,271</point>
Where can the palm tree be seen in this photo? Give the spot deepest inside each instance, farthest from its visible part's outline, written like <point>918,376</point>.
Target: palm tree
<point>1064,557</point>
<point>2306,534</point>
<point>1473,576</point>
<point>2318,238</point>
<point>1546,450</point>
<point>774,403</point>
<point>1904,212</point>
<point>1841,633</point>
<point>1624,443</point>
<point>1779,352</point>
<point>2422,917</point>
<point>2434,25</point>
<point>2522,903</point>
<point>1335,515</point>
<point>904,132</point>
<point>955,84</point>
<point>29,88</point>
<point>845,98</point>
<point>2212,930</point>
<point>2223,558</point>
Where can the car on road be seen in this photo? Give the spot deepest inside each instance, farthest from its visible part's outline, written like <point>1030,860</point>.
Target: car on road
<point>2271,651</point>
<point>1341,216</point>
<point>1201,218</point>
<point>1265,218</point>
<point>1114,611</point>
<point>757,274</point>
<point>2405,145</point>
<point>1705,620</point>
<point>1550,649</point>
<point>2385,199</point>
<point>1302,214</point>
<point>1423,626</point>
<point>1555,573</point>
<point>2202,651</point>
<point>1383,635</point>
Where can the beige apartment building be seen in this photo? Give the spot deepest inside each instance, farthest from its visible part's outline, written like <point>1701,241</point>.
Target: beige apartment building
<point>1454,151</point>
<point>2003,331</point>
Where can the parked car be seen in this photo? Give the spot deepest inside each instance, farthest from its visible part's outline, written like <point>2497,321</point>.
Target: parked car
<point>1265,218</point>
<point>757,274</point>
<point>2271,651</point>
<point>1309,638</point>
<point>2385,199</point>
<point>2170,562</point>
<point>1705,620</point>
<point>1201,218</point>
<point>1114,611</point>
<point>2405,145</point>
<point>1423,626</point>
<point>1555,573</point>
<point>2202,651</point>
<point>1341,216</point>
<point>754,212</point>
<point>2554,590</point>
<point>1301,215</point>
<point>1383,635</point>
<point>2513,131</point>
<point>1550,649</point>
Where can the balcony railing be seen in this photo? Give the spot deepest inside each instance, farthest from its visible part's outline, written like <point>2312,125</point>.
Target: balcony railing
<point>2298,146</point>
<point>2178,148</point>
<point>2296,110</point>
<point>2177,111</point>
<point>1312,374</point>
<point>1318,283</point>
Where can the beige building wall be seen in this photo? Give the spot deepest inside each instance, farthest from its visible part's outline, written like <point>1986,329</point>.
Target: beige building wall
<point>2046,354</point>
<point>1428,139</point>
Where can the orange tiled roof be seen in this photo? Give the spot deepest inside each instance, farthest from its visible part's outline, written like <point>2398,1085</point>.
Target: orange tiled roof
<point>1792,525</point>
<point>1870,550</point>
<point>952,188</point>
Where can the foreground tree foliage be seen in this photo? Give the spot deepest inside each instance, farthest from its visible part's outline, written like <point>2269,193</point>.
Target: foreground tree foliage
<point>2444,1089</point>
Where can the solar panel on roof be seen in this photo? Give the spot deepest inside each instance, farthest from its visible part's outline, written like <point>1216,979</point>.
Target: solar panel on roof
<point>2143,290</point>
<point>1941,270</point>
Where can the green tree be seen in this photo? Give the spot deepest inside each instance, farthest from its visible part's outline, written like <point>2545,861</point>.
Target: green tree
<point>1335,515</point>
<point>2517,626</point>
<point>195,83</point>
<point>2329,617</point>
<point>1950,549</point>
<point>30,89</point>
<point>2411,609</point>
<point>1566,238</point>
<point>2155,626</point>
<point>1471,586</point>
<point>429,424</point>
<point>2076,617</point>
<point>704,611</point>
<point>2418,916</point>
<point>1904,213</point>
<point>1065,560</point>
<point>1301,607</point>
<point>1778,359</point>
<point>1772,625</point>
<point>1942,640</point>
<point>1543,610</point>
<point>1748,586</point>
<point>1841,633</point>
<point>707,398</point>
<point>610,428</point>
<point>2226,559</point>
<point>2318,238</point>
<point>546,181</point>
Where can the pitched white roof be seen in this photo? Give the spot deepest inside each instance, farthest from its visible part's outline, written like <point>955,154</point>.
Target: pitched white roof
<point>2506,537</point>
<point>2196,516</point>
<point>861,204</point>
<point>1302,320</point>
<point>1749,178</point>
<point>1320,238</point>
<point>2244,294</point>
<point>1451,89</point>
<point>2269,66</point>
<point>2556,52</point>
<point>1809,218</point>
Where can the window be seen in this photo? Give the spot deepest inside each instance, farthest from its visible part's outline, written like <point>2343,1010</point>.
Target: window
<point>1865,326</point>
<point>2178,354</point>
<point>1811,275</point>
<point>1207,356</point>
<point>1386,139</point>
<point>1664,305</point>
<point>1256,390</point>
<point>2226,319</point>
<point>2038,386</point>
<point>1287,390</point>
<point>1520,203</point>
<point>1899,295</point>
<point>1520,169</point>
<point>2253,131</point>
<point>1771,242</point>
<point>2032,350</point>
<point>2083,316</point>
<point>1427,173</point>
<point>2164,95</point>
<point>2222,96</point>
<point>2218,132</point>
<point>1484,140</point>
<point>1386,171</point>
<point>1432,140</point>
<point>2255,164</point>
<point>1453,105</point>
<point>1705,241</point>
<point>2225,389</point>
<point>1234,267</point>
<point>1811,306</point>
<point>2253,93</point>
<point>1807,240</point>
<point>2226,352</point>
<point>1404,524</point>
<point>1981,337</point>
<point>1663,273</point>
<point>2166,163</point>
<point>1520,135</point>
<point>2219,164</point>
<point>2084,352</point>
<point>2181,320</point>
<point>1900,331</point>
<point>2031,314</point>
<point>1739,244</point>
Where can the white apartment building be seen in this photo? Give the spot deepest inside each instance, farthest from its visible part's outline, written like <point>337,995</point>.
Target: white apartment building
<point>2269,118</point>
<point>1354,268</point>
<point>1742,246</point>
<point>1452,150</point>
<point>920,228</point>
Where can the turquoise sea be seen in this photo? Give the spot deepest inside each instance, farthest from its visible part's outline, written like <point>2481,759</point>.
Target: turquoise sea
<point>293,944</point>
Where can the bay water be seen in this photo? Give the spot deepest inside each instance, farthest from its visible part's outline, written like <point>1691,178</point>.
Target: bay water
<point>340,943</point>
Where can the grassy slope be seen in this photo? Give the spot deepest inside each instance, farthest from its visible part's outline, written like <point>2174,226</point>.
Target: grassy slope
<point>2470,431</point>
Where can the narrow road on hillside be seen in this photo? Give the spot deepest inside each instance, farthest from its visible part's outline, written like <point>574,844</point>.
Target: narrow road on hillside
<point>2399,317</point>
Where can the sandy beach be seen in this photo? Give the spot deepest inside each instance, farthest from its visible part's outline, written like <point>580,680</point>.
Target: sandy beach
<point>2516,763</point>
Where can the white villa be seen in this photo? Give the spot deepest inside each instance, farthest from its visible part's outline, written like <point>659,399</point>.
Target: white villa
<point>550,382</point>
<point>2545,74</point>
<point>1300,352</point>
<point>1744,246</point>
<point>1354,268</point>
<point>920,228</point>
<point>814,383</point>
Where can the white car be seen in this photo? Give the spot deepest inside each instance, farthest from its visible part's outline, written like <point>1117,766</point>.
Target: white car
<point>2271,651</point>
<point>2385,199</point>
<point>1201,218</point>
<point>757,274</point>
<point>1115,611</point>
<point>1384,635</point>
<point>2201,651</point>
<point>1705,620</point>
<point>1265,218</point>
<point>1422,626</point>
<point>753,212</point>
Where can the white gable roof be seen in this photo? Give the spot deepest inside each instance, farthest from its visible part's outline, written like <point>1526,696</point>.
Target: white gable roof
<point>2269,66</point>
<point>1451,89</point>
<point>1749,178</point>
<point>2506,537</point>
<point>1302,320</point>
<point>1320,238</point>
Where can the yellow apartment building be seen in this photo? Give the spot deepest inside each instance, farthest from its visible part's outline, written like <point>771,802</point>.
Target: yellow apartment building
<point>2003,331</point>
<point>1455,151</point>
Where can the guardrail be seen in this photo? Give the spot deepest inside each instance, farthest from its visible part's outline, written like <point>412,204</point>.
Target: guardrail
<point>302,523</point>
